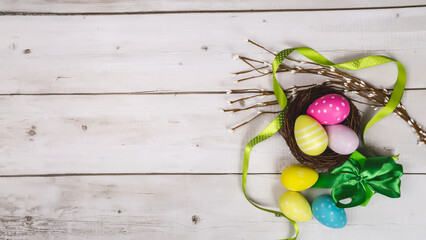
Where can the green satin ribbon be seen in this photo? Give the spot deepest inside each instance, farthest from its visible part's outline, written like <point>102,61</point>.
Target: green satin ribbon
<point>265,134</point>
<point>276,124</point>
<point>360,177</point>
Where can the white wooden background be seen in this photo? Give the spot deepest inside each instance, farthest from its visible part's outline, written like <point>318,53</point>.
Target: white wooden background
<point>110,125</point>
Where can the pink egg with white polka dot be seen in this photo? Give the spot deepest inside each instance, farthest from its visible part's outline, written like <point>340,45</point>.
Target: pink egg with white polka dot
<point>329,109</point>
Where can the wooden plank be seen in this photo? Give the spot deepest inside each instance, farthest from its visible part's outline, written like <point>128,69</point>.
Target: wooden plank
<point>193,52</point>
<point>132,6</point>
<point>186,207</point>
<point>161,134</point>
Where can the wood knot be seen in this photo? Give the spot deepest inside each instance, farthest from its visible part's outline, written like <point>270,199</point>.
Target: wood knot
<point>84,127</point>
<point>195,219</point>
<point>27,51</point>
<point>32,132</point>
<point>28,220</point>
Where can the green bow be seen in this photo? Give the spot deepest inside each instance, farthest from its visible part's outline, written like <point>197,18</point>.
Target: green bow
<point>359,178</point>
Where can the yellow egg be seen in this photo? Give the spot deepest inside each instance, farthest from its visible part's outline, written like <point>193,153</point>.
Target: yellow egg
<point>295,206</point>
<point>298,177</point>
<point>310,135</point>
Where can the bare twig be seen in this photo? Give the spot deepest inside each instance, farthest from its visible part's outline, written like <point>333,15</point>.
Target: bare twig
<point>259,113</point>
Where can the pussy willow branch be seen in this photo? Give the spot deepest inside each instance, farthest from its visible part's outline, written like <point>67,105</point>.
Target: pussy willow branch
<point>337,79</point>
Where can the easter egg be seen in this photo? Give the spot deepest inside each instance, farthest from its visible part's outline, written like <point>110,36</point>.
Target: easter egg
<point>342,139</point>
<point>298,177</point>
<point>327,213</point>
<point>329,109</point>
<point>310,135</point>
<point>295,206</point>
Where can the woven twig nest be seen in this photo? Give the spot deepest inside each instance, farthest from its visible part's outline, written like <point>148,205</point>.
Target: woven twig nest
<point>328,159</point>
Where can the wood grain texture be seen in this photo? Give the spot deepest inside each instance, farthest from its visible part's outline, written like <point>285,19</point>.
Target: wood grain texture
<point>162,134</point>
<point>193,52</point>
<point>152,6</point>
<point>164,165</point>
<point>186,207</point>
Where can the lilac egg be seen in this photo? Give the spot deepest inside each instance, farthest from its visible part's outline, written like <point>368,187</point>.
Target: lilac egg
<point>342,139</point>
<point>329,109</point>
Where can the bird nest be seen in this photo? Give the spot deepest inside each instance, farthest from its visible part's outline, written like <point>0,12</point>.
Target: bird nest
<point>298,106</point>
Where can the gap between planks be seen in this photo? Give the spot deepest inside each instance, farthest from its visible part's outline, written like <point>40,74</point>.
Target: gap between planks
<point>151,93</point>
<point>24,13</point>
<point>144,174</point>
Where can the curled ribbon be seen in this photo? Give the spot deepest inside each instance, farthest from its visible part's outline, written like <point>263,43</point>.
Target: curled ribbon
<point>359,178</point>
<point>276,124</point>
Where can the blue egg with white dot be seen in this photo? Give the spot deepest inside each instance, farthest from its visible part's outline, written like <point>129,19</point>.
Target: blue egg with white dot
<point>327,213</point>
